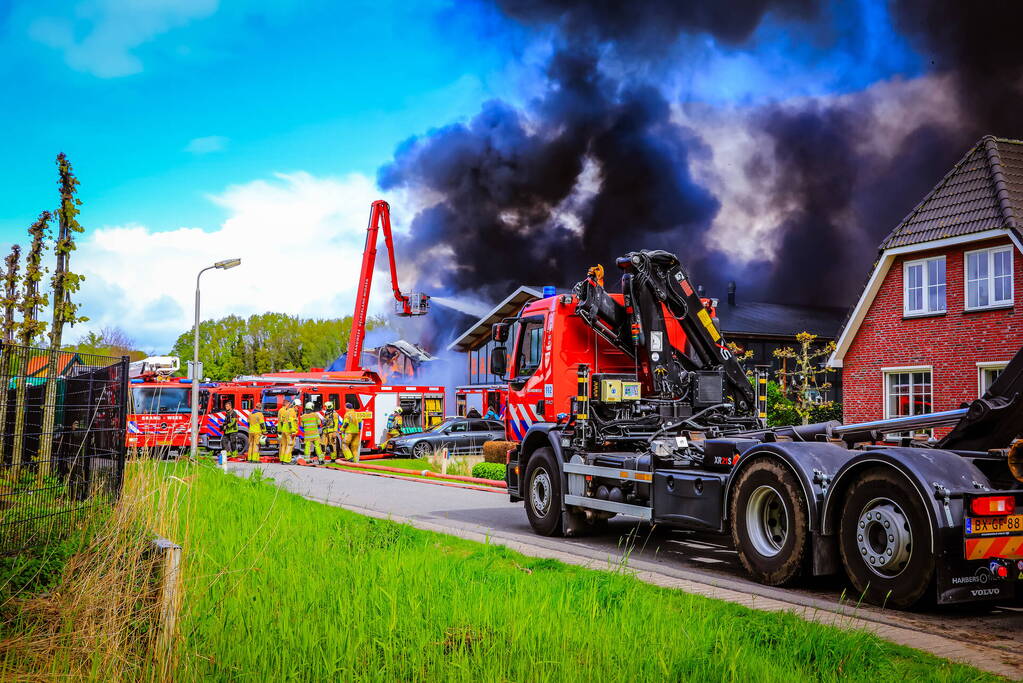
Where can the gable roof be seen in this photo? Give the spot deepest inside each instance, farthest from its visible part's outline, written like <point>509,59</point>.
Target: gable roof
<point>479,333</point>
<point>980,198</point>
<point>984,191</point>
<point>758,318</point>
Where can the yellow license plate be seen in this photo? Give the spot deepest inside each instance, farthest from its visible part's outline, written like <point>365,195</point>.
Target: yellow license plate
<point>994,525</point>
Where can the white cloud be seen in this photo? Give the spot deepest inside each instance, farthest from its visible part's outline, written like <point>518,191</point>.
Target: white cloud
<point>100,35</point>
<point>206,145</point>
<point>300,239</point>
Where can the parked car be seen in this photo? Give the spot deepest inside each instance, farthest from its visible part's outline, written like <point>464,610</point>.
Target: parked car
<point>460,435</point>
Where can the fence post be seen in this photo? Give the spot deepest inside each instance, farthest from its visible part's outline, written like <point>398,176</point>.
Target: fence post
<point>169,597</point>
<point>122,423</point>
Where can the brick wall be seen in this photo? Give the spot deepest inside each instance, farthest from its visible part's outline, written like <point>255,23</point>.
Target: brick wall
<point>952,343</point>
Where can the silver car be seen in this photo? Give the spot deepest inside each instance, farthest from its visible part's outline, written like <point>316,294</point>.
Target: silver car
<point>460,435</point>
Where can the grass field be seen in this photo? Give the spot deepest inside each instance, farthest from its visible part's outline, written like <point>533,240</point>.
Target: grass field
<point>280,588</point>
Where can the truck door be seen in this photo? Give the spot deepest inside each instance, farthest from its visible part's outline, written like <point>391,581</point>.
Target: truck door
<point>383,406</point>
<point>526,377</point>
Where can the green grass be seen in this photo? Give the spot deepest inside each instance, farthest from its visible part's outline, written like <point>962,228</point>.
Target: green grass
<point>406,464</point>
<point>281,588</point>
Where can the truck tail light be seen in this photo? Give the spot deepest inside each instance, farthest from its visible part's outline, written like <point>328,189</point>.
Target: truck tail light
<point>993,505</point>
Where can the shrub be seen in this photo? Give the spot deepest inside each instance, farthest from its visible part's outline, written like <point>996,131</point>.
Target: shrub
<point>489,470</point>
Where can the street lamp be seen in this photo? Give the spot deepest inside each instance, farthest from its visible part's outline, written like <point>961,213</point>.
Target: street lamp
<point>222,265</point>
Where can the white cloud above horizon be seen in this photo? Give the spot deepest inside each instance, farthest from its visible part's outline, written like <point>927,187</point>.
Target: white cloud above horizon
<point>206,145</point>
<point>99,36</point>
<point>300,238</point>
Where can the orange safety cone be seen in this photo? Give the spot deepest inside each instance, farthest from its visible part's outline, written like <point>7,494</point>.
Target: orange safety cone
<point>301,461</point>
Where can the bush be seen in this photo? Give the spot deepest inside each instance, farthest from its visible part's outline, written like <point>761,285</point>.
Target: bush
<point>489,470</point>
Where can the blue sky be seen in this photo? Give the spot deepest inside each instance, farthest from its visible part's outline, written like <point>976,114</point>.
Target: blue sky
<point>202,114</point>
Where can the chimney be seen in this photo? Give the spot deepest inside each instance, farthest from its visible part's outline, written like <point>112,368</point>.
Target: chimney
<point>731,293</point>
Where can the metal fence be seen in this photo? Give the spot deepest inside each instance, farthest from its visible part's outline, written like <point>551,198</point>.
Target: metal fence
<point>62,452</point>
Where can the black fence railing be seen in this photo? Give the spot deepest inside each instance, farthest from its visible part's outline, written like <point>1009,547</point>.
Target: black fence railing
<point>62,436</point>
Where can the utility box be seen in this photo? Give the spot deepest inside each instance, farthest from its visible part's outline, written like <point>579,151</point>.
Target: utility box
<point>631,391</point>
<point>611,390</point>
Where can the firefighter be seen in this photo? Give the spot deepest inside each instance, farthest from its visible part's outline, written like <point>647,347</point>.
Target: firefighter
<point>351,433</point>
<point>491,414</point>
<point>256,423</point>
<point>311,434</point>
<point>473,413</point>
<point>329,437</point>
<point>287,425</point>
<point>394,423</point>
<point>230,430</point>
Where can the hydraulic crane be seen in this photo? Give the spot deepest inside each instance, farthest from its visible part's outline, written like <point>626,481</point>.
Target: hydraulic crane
<point>632,404</point>
<point>405,305</point>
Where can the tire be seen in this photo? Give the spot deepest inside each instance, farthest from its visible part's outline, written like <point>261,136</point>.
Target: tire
<point>422,449</point>
<point>543,493</point>
<point>883,519</point>
<point>770,523</point>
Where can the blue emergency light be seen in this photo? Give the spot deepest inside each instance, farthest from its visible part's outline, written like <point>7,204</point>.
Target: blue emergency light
<point>549,291</point>
<point>184,380</point>
<point>137,381</point>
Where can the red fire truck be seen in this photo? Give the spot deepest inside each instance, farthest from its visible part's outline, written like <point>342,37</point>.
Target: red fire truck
<point>482,397</point>
<point>422,406</point>
<point>159,409</point>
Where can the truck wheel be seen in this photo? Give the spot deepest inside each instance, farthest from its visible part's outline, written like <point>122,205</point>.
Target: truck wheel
<point>770,524</point>
<point>883,537</point>
<point>543,493</point>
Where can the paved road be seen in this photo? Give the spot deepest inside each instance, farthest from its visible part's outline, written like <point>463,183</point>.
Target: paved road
<point>698,556</point>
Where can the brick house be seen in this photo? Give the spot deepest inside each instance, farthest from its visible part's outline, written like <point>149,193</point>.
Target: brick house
<point>941,314</point>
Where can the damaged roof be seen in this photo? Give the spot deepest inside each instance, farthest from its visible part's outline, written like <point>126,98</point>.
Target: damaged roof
<point>761,319</point>
<point>984,191</point>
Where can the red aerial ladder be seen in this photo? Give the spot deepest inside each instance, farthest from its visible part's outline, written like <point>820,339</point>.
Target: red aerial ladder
<point>406,305</point>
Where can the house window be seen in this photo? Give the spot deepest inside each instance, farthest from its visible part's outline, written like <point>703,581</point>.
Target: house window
<point>987,373</point>
<point>989,278</point>
<point>924,285</point>
<point>908,392</point>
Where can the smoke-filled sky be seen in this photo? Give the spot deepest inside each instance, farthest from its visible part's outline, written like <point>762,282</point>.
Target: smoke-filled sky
<point>770,142</point>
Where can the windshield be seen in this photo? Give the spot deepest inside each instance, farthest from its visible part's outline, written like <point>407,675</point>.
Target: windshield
<point>161,400</point>
<point>442,425</point>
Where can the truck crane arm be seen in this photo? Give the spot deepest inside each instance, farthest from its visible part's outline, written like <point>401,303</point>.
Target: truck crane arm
<point>410,304</point>
<point>654,282</point>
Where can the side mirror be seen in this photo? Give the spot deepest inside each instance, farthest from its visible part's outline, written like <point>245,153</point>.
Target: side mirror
<point>499,332</point>
<point>498,360</point>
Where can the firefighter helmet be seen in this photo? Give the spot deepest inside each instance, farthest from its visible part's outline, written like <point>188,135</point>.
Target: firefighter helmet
<point>348,406</point>
<point>329,405</point>
<point>397,411</point>
<point>310,406</point>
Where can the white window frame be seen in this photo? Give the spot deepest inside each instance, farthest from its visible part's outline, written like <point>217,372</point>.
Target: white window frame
<point>884,391</point>
<point>926,283</point>
<point>986,365</point>
<point>989,252</point>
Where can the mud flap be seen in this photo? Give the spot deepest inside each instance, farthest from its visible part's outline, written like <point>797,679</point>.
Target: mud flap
<point>825,555</point>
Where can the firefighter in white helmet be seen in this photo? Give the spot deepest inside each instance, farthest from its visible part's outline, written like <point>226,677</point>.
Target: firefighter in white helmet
<point>311,434</point>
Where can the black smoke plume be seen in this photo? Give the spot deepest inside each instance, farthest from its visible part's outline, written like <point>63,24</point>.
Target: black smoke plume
<point>597,166</point>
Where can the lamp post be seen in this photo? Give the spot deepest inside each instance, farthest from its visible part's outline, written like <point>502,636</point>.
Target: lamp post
<point>222,265</point>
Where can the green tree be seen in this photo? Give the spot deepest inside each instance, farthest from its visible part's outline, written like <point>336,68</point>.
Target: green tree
<point>12,264</point>
<point>268,342</point>
<point>807,379</point>
<point>65,283</point>
<point>31,328</point>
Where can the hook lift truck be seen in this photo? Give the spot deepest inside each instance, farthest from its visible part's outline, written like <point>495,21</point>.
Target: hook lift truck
<point>642,410</point>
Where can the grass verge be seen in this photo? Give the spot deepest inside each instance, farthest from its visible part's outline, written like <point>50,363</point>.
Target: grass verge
<point>281,588</point>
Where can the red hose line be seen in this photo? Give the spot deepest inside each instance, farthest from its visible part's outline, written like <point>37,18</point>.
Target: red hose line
<point>457,485</point>
<point>432,475</point>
